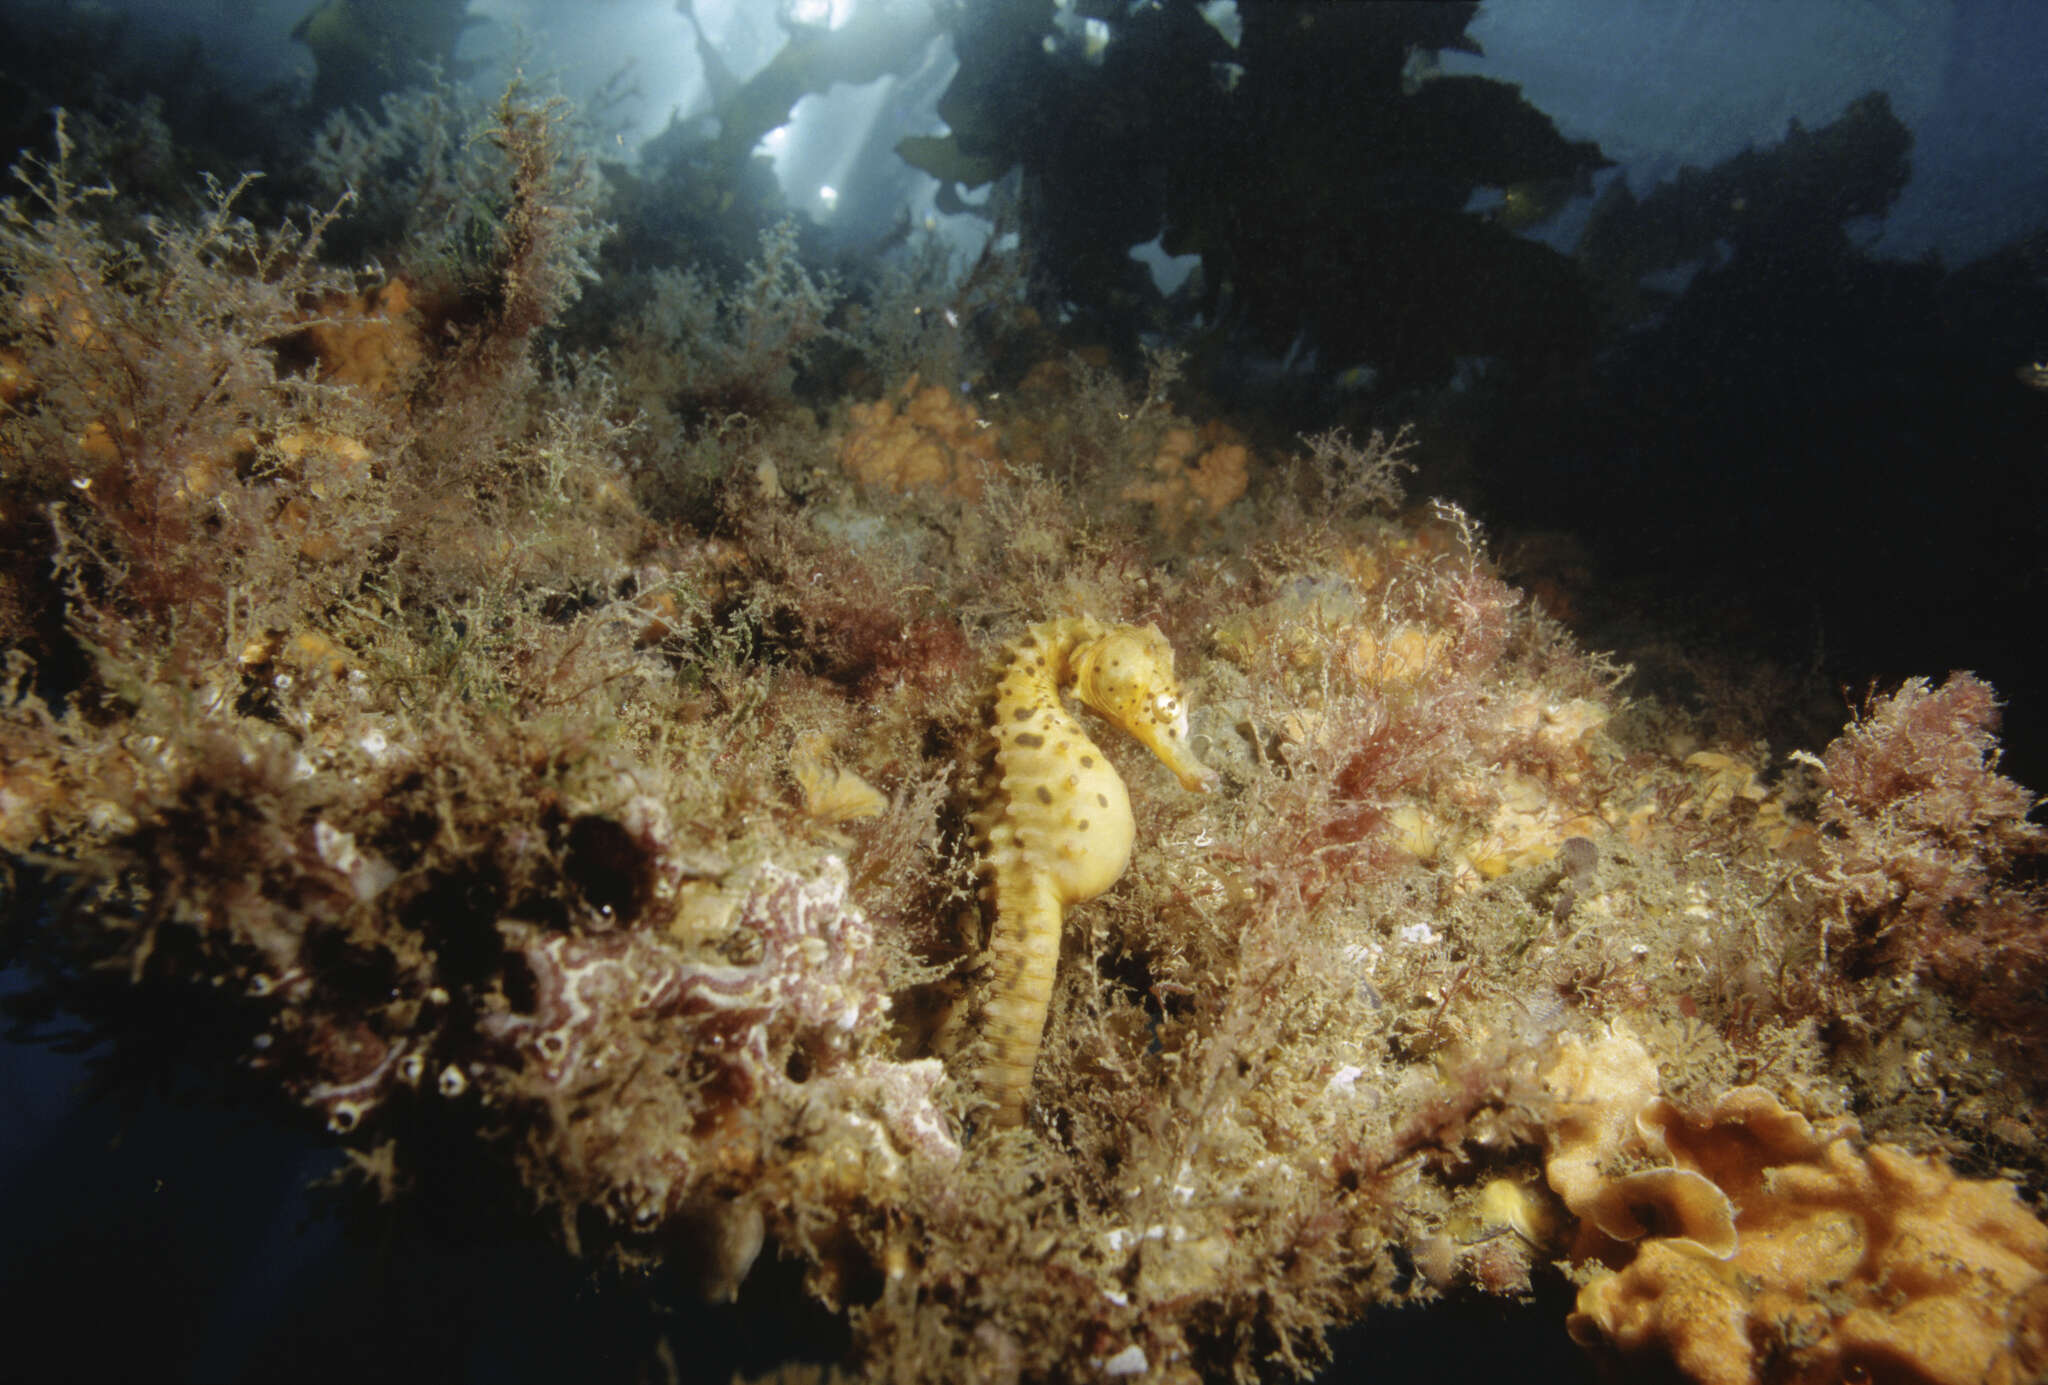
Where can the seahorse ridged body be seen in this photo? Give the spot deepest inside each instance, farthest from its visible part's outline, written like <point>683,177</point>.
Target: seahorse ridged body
<point>1059,828</point>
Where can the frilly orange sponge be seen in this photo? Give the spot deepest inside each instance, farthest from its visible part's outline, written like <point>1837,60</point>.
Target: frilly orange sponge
<point>920,437</point>
<point>372,342</point>
<point>423,759</point>
<point>1195,476</point>
<point>1060,831</point>
<point>1769,1246</point>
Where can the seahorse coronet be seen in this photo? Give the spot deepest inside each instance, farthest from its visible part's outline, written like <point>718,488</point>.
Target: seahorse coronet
<point>1059,829</point>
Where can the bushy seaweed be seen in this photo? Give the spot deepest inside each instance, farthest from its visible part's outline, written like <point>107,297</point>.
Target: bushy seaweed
<point>554,769</point>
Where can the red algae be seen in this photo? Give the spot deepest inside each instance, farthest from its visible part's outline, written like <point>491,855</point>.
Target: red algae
<point>538,777</point>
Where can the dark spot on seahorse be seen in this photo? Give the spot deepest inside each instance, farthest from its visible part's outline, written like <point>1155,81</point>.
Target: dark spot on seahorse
<point>1082,824</point>
<point>1103,799</point>
<point>1030,740</point>
<point>1087,762</point>
<point>1024,713</point>
<point>1044,794</point>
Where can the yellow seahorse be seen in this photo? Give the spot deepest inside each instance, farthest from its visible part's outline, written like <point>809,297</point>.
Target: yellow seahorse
<point>1059,828</point>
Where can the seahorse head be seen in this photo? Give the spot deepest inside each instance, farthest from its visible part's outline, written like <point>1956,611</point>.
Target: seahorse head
<point>1127,677</point>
